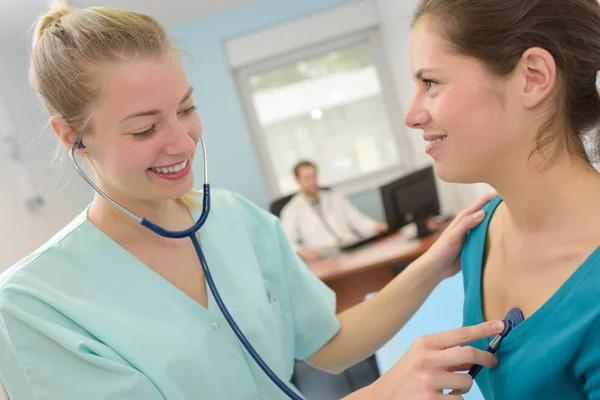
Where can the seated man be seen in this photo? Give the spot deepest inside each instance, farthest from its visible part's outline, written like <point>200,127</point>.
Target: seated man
<point>315,220</point>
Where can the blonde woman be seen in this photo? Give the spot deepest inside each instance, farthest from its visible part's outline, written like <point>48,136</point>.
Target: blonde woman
<point>109,310</point>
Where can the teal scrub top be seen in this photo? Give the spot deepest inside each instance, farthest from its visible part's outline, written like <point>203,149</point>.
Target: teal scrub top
<point>555,353</point>
<point>81,318</point>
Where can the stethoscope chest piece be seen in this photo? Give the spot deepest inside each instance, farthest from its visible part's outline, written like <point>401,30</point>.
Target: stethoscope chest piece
<point>512,319</point>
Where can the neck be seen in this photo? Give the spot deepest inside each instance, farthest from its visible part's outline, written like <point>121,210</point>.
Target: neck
<point>311,196</point>
<point>541,200</point>
<point>125,230</point>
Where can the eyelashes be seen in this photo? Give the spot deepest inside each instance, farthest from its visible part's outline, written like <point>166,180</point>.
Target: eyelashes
<point>429,83</point>
<point>148,132</point>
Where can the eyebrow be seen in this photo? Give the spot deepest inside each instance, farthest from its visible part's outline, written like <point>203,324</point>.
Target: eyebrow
<point>422,71</point>
<point>155,111</point>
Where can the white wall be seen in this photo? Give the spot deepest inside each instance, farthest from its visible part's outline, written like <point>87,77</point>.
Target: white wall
<point>395,17</point>
<point>21,231</point>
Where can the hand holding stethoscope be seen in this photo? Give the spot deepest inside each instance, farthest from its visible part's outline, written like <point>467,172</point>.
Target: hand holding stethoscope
<point>431,364</point>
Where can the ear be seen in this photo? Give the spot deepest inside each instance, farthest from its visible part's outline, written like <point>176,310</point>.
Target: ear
<point>538,69</point>
<point>63,131</point>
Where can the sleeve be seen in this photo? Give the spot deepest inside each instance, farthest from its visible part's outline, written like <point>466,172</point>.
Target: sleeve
<point>288,221</point>
<point>312,303</point>
<point>587,365</point>
<point>359,222</point>
<point>47,357</point>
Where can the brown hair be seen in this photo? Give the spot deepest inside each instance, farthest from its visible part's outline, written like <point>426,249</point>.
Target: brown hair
<point>70,48</point>
<point>302,164</point>
<point>498,32</point>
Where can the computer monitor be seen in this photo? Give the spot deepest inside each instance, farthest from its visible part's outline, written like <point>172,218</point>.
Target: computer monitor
<point>411,198</point>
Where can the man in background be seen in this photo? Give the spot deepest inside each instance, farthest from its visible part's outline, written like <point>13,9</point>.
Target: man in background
<point>315,220</point>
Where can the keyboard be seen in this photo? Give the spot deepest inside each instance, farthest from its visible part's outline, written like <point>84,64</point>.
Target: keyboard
<point>364,241</point>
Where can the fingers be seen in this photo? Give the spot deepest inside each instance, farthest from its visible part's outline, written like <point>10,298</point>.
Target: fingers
<point>477,205</point>
<point>469,222</point>
<point>460,336</point>
<point>463,358</point>
<point>461,383</point>
<point>461,367</point>
<point>482,201</point>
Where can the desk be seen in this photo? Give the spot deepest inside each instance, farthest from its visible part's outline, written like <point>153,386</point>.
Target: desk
<point>355,274</point>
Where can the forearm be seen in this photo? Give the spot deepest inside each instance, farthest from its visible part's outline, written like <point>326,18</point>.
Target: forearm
<point>365,393</point>
<point>369,325</point>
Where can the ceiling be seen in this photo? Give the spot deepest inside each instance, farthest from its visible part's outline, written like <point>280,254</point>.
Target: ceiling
<point>18,16</point>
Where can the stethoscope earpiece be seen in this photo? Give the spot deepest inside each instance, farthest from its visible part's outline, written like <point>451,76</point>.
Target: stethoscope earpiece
<point>79,144</point>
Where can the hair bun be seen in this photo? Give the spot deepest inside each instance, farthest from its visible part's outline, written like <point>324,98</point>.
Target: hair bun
<point>46,21</point>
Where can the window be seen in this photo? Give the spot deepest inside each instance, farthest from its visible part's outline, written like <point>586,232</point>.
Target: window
<point>328,104</point>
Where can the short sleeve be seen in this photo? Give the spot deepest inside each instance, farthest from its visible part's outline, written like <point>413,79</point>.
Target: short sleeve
<point>45,356</point>
<point>312,302</point>
<point>587,365</point>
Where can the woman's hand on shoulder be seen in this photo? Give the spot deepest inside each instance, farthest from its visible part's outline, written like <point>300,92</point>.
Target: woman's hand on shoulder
<point>444,254</point>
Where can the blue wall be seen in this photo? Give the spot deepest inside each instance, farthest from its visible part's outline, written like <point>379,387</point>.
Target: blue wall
<point>233,160</point>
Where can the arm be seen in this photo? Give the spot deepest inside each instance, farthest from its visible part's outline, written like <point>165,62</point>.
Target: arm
<point>359,222</point>
<point>292,232</point>
<point>46,359</point>
<point>369,325</point>
<point>288,223</point>
<point>587,364</point>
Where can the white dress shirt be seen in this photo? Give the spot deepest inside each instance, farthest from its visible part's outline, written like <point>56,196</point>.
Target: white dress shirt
<point>329,222</point>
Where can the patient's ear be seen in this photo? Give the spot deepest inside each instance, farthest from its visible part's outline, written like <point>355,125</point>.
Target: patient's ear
<point>538,70</point>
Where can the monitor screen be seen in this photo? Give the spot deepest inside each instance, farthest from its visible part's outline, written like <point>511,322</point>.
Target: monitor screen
<point>413,197</point>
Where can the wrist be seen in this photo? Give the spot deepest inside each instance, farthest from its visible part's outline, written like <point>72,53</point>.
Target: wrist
<point>367,393</point>
<point>432,269</point>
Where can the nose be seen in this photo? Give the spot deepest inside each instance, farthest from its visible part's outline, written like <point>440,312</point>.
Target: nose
<point>417,115</point>
<point>180,141</point>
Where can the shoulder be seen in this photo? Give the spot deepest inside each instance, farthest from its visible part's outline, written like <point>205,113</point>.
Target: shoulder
<point>475,243</point>
<point>292,205</point>
<point>226,203</point>
<point>332,194</point>
<point>481,230</point>
<point>35,270</point>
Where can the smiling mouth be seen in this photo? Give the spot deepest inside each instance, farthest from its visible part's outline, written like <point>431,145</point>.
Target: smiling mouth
<point>438,140</point>
<point>172,169</point>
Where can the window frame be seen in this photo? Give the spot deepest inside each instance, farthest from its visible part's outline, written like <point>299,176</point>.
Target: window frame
<point>371,38</point>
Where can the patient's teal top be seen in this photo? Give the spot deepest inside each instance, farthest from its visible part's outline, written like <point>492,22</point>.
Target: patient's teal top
<point>555,353</point>
<point>81,318</point>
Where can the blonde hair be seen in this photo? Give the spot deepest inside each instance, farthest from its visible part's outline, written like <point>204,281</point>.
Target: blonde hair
<point>70,48</point>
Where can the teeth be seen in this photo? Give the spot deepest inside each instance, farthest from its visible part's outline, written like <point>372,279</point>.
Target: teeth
<point>171,170</point>
<point>437,140</point>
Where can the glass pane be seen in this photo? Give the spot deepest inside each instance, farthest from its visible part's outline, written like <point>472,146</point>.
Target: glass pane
<point>328,109</point>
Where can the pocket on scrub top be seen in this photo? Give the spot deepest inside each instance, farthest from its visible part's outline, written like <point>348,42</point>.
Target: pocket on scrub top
<point>279,341</point>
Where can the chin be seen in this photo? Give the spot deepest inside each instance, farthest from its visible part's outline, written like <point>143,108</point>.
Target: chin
<point>176,192</point>
<point>451,174</point>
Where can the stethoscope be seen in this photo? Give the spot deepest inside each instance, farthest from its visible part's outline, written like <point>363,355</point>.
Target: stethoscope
<point>513,318</point>
<point>191,233</point>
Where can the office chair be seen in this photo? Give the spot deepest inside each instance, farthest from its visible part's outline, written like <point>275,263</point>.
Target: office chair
<point>277,205</point>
